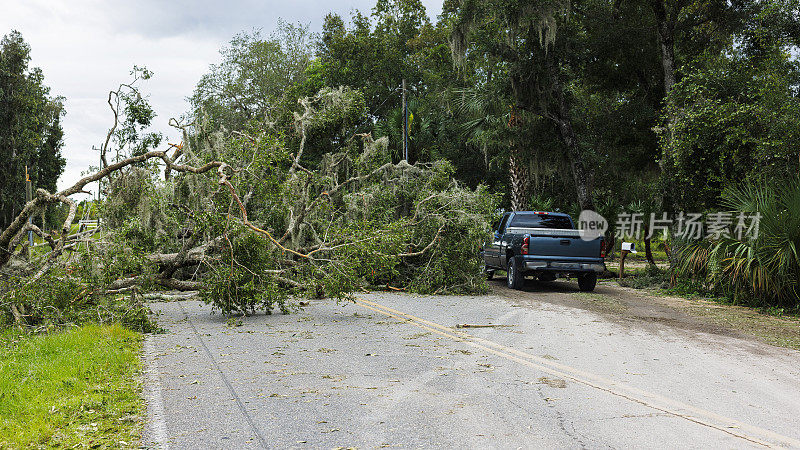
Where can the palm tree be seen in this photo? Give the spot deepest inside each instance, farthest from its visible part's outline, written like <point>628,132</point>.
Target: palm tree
<point>491,127</point>
<point>764,268</point>
<point>420,132</point>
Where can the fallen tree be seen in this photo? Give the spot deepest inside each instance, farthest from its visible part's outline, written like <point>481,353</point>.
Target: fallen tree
<point>240,217</point>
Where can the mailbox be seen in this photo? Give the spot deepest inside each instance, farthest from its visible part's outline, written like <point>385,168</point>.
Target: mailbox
<point>629,247</point>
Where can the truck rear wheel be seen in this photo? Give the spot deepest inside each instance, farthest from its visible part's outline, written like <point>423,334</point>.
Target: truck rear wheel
<point>515,278</point>
<point>587,281</point>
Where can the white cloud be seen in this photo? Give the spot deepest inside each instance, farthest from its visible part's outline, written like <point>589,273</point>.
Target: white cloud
<point>87,47</point>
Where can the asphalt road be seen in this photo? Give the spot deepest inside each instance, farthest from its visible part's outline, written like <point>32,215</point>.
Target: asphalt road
<point>393,370</point>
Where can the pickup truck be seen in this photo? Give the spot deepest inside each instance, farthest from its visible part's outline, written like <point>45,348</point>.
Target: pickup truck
<point>543,244</point>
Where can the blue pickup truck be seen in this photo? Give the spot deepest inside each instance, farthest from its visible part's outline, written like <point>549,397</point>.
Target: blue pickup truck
<point>545,245</point>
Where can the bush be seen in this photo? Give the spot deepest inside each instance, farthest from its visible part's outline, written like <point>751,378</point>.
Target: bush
<point>649,277</point>
<point>764,271</point>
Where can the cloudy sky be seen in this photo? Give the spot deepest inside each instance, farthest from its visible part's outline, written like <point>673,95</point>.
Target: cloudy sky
<point>87,47</point>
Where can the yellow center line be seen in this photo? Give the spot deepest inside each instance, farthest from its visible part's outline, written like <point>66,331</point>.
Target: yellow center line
<point>655,401</point>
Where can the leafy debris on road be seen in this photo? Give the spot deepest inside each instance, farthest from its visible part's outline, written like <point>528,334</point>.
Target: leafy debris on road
<point>553,382</point>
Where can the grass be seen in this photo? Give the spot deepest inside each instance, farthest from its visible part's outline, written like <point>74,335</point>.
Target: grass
<point>779,331</point>
<point>645,277</point>
<point>77,388</point>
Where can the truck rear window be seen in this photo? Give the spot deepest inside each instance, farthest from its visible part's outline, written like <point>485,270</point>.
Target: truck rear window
<point>531,220</point>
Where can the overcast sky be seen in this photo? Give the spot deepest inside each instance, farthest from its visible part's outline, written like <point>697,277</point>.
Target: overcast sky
<point>87,47</point>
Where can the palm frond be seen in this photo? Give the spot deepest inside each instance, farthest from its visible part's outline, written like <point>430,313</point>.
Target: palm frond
<point>765,267</point>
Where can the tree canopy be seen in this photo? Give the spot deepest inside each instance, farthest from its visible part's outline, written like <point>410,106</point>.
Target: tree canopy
<point>30,128</point>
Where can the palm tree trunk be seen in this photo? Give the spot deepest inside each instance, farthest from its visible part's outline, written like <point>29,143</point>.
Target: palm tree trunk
<point>518,177</point>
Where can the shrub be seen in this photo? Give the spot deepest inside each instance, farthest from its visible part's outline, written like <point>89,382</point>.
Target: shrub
<point>763,271</point>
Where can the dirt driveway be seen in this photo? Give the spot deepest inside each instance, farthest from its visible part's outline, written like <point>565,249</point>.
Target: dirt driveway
<point>557,368</point>
<point>647,309</point>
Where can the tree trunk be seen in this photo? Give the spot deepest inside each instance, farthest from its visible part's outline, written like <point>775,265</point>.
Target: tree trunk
<point>608,243</point>
<point>648,252</point>
<point>518,177</point>
<point>666,36</point>
<point>580,173</point>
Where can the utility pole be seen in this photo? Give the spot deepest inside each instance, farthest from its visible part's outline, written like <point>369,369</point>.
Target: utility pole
<point>405,123</point>
<point>29,197</point>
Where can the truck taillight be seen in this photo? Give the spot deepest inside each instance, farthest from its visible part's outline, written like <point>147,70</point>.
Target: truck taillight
<point>602,249</point>
<point>526,244</point>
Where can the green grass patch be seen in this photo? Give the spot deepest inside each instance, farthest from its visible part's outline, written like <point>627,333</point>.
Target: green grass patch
<point>645,277</point>
<point>77,388</point>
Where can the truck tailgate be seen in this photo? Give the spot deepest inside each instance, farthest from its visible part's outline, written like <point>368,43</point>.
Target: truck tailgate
<point>561,242</point>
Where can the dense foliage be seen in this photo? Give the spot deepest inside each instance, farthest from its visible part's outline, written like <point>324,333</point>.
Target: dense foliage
<point>276,230</point>
<point>735,116</point>
<point>763,271</point>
